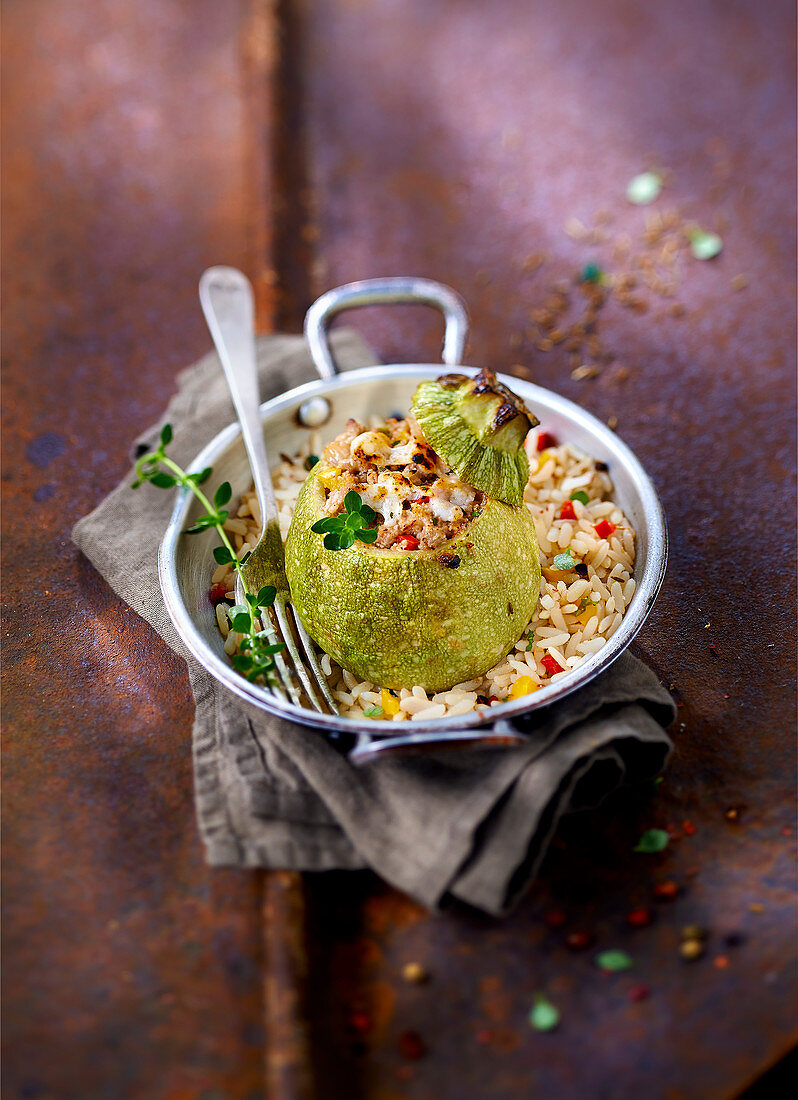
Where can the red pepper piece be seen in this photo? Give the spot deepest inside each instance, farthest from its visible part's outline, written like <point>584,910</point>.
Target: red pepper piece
<point>546,440</point>
<point>217,593</point>
<point>604,529</point>
<point>578,941</point>
<point>551,666</point>
<point>361,1022</point>
<point>408,542</point>
<point>639,992</point>
<point>567,511</point>
<point>689,828</point>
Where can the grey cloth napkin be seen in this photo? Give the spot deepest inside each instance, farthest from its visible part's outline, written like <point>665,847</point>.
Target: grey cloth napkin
<point>471,823</point>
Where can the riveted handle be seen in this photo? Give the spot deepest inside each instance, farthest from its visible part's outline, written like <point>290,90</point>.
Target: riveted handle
<point>371,292</point>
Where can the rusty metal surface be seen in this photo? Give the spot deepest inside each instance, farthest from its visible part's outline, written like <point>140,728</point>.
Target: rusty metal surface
<point>142,143</point>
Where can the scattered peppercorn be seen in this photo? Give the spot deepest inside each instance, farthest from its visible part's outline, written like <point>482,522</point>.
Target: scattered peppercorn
<point>602,467</point>
<point>411,1045</point>
<point>733,814</point>
<point>694,932</point>
<point>666,891</point>
<point>414,973</point>
<point>691,949</point>
<point>639,992</point>
<point>639,918</point>
<point>578,941</point>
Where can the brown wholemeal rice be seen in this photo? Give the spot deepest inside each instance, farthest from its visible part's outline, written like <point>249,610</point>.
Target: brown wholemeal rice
<point>573,620</point>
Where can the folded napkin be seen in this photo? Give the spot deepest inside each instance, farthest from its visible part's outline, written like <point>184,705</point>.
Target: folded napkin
<point>470,823</point>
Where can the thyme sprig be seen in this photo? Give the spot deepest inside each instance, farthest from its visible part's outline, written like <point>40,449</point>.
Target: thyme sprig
<point>353,523</point>
<point>255,659</point>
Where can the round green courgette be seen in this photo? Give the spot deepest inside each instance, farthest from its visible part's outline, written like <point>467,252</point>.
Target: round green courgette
<point>404,617</point>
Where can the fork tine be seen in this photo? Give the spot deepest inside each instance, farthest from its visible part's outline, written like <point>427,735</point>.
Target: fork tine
<point>291,646</point>
<point>313,660</point>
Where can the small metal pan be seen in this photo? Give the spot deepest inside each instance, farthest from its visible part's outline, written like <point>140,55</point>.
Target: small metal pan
<point>185,563</point>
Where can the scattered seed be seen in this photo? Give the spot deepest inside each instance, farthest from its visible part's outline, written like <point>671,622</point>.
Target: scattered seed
<point>689,828</point>
<point>666,891</point>
<point>555,918</point>
<point>644,188</point>
<point>639,918</point>
<point>721,961</point>
<point>544,1016</point>
<point>733,814</point>
<point>691,949</point>
<point>705,246</point>
<point>612,422</point>
<point>639,992</point>
<point>411,1046</point>
<point>414,973</point>
<point>578,941</point>
<point>694,932</point>
<point>614,960</point>
<point>756,907</point>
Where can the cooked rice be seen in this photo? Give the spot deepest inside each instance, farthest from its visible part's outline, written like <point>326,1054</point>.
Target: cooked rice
<point>574,619</point>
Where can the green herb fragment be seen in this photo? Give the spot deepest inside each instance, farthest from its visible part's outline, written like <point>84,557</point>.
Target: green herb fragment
<point>544,1016</point>
<point>581,496</point>
<point>591,273</point>
<point>614,960</point>
<point>644,188</point>
<point>653,840</point>
<point>530,645</point>
<point>353,523</point>
<point>311,461</point>
<point>564,561</point>
<point>255,660</point>
<point>373,712</point>
<point>705,246</point>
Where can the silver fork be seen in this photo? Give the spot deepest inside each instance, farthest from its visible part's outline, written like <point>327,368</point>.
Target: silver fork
<point>228,304</point>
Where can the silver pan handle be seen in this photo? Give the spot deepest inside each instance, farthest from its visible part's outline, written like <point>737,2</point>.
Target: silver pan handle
<point>372,292</point>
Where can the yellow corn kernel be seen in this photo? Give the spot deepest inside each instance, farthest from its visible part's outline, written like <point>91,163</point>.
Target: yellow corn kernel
<point>328,477</point>
<point>390,704</point>
<point>543,459</point>
<point>587,614</point>
<point>524,685</point>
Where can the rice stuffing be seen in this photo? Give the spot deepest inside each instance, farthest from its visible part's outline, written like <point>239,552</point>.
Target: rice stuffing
<point>587,554</point>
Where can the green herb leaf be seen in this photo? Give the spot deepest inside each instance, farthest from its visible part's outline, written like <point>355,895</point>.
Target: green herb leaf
<point>276,647</point>
<point>242,662</point>
<point>345,539</point>
<point>242,623</point>
<point>222,555</point>
<point>222,494</point>
<point>238,609</point>
<point>311,461</point>
<point>644,189</point>
<point>614,960</point>
<point>530,645</point>
<point>200,477</point>
<point>368,535</point>
<point>331,541</point>
<point>544,1016</point>
<point>265,597</point>
<point>705,246</point>
<point>135,485</point>
<point>592,273</point>
<point>564,561</point>
<point>162,480</point>
<point>329,523</point>
<point>166,435</point>
<point>373,712</point>
<point>367,514</point>
<point>581,496</point>
<point>352,501</point>
<point>653,840</point>
<point>202,524</point>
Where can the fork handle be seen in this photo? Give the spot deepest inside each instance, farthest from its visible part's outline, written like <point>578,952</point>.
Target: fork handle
<point>229,307</point>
